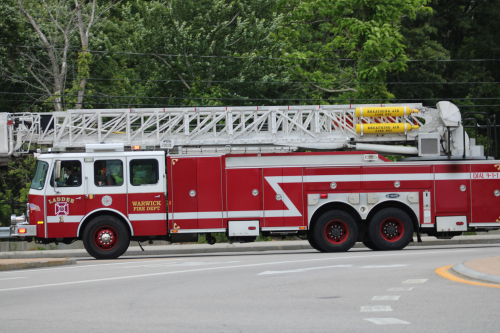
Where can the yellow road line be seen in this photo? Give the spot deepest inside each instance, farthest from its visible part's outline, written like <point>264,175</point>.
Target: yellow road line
<point>444,272</point>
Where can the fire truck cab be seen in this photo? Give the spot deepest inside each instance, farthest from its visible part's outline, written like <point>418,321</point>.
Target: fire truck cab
<point>71,194</point>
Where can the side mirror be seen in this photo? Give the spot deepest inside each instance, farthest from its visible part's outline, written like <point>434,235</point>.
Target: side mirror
<point>57,170</point>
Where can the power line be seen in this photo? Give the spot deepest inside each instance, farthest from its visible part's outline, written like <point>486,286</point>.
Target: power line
<point>260,99</point>
<point>169,105</point>
<point>248,82</point>
<point>256,57</point>
<point>96,103</point>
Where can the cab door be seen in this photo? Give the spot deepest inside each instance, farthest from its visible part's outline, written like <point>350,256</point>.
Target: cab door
<point>146,195</point>
<point>65,199</point>
<point>106,185</point>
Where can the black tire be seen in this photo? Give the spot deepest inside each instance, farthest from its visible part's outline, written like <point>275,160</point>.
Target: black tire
<point>390,229</point>
<point>211,240</point>
<point>370,245</point>
<point>106,237</point>
<point>335,231</point>
<point>310,239</point>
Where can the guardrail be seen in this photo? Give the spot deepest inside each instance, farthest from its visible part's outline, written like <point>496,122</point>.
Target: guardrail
<point>5,232</point>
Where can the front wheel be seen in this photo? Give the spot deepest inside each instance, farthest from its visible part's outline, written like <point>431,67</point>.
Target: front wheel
<point>390,229</point>
<point>335,231</point>
<point>105,237</point>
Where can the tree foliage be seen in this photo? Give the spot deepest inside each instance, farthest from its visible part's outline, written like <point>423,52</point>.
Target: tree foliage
<point>344,37</point>
<point>219,31</point>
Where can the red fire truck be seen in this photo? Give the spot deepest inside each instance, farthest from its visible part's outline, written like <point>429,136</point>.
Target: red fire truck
<point>108,177</point>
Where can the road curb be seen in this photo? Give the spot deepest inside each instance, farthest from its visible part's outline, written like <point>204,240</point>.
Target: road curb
<point>36,264</point>
<point>472,274</point>
<point>204,248</point>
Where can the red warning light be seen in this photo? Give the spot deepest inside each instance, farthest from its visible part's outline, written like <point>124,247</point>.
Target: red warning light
<point>22,230</point>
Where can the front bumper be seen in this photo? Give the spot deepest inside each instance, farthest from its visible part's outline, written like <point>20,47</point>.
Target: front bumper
<point>20,228</point>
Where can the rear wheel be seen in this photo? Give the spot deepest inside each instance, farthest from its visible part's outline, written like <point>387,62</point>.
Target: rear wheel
<point>310,239</point>
<point>105,237</point>
<point>390,229</point>
<point>335,231</point>
<point>370,245</point>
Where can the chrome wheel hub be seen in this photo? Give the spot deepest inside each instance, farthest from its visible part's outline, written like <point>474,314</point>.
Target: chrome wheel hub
<point>106,238</point>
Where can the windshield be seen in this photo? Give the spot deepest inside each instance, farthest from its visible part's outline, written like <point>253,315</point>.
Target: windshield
<point>40,175</point>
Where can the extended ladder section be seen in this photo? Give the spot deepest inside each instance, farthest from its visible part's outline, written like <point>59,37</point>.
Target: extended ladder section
<point>205,129</point>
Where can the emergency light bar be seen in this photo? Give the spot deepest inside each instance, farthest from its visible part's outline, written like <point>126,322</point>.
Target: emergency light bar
<point>103,147</point>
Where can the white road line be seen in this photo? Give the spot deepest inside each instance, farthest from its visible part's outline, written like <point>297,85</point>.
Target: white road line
<point>13,278</point>
<point>415,281</point>
<point>139,261</point>
<point>376,308</point>
<point>301,269</point>
<point>138,276</point>
<point>380,266</point>
<point>386,321</point>
<point>385,298</point>
<point>184,264</point>
<point>323,267</point>
<point>214,268</point>
<point>177,272</point>
<point>401,289</point>
<point>349,257</point>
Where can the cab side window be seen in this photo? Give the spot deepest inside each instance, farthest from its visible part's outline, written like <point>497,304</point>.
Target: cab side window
<point>71,174</point>
<point>108,173</point>
<point>143,172</point>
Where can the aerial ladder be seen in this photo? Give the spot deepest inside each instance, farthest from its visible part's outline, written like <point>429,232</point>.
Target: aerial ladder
<point>395,129</point>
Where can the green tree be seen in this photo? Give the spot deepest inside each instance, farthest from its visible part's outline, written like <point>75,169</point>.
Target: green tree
<point>420,37</point>
<point>219,30</point>
<point>457,30</point>
<point>357,30</point>
<point>15,181</point>
<point>11,32</point>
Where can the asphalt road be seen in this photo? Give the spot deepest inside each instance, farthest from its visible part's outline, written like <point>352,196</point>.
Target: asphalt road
<point>285,291</point>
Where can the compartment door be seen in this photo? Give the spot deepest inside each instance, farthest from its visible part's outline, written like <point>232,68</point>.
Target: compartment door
<point>184,193</point>
<point>244,193</point>
<point>273,197</point>
<point>485,180</point>
<point>209,193</point>
<point>293,215</point>
<point>452,187</point>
